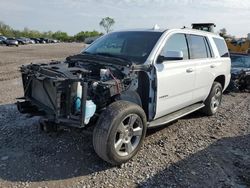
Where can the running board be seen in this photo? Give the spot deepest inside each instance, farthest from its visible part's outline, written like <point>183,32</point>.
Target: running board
<point>175,115</point>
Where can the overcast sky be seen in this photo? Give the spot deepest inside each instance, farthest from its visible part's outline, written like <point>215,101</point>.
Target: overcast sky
<point>73,16</point>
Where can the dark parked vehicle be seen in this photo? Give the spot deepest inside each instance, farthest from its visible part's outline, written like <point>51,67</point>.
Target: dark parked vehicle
<point>36,40</point>
<point>43,40</point>
<point>22,40</point>
<point>240,77</point>
<point>2,39</point>
<point>30,41</point>
<point>53,41</point>
<point>90,40</point>
<point>11,42</point>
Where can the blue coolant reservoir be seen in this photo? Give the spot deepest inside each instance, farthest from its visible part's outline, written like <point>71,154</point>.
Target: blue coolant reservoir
<point>90,105</point>
<point>89,110</point>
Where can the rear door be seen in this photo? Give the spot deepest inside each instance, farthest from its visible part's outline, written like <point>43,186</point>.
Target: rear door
<point>203,56</point>
<point>175,79</point>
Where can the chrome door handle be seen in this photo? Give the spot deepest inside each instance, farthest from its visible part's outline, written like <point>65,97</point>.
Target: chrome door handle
<point>190,70</point>
<point>212,66</point>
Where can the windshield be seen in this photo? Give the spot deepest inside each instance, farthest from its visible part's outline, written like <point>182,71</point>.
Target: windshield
<point>242,61</point>
<point>132,45</point>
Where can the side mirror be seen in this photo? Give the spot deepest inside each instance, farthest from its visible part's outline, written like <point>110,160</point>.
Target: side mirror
<point>170,56</point>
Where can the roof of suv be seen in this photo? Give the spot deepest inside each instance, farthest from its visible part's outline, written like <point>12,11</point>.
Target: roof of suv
<point>142,30</point>
<point>185,30</point>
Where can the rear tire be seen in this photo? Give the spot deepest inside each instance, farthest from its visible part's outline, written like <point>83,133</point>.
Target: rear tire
<point>213,101</point>
<point>119,132</point>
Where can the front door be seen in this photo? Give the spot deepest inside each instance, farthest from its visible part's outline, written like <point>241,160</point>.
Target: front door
<point>175,78</point>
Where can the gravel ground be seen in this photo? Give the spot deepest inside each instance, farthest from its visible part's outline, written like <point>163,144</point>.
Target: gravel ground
<point>195,151</point>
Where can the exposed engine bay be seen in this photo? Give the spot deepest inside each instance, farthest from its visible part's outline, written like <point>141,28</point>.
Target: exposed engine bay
<point>240,73</point>
<point>75,89</point>
<point>240,81</point>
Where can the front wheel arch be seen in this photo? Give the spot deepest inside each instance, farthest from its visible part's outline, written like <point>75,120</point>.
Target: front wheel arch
<point>130,96</point>
<point>106,127</point>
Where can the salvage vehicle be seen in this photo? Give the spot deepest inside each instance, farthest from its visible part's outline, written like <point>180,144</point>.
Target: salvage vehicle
<point>240,73</point>
<point>126,82</point>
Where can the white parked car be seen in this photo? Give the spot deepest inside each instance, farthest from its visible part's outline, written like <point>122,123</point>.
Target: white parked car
<point>128,81</point>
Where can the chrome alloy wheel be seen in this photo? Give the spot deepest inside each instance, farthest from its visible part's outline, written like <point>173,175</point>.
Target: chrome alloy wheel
<point>216,99</point>
<point>128,135</point>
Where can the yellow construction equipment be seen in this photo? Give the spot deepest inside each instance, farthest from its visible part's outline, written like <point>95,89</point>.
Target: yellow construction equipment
<point>241,46</point>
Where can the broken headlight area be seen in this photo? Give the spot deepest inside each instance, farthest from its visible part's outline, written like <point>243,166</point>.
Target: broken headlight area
<point>72,92</point>
<point>240,81</point>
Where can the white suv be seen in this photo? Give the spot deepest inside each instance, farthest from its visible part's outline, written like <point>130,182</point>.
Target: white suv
<point>128,81</point>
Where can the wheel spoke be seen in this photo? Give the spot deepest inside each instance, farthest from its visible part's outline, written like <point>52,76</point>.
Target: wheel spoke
<point>128,135</point>
<point>118,144</point>
<point>218,94</point>
<point>217,102</point>
<point>128,147</point>
<point>137,131</point>
<point>121,128</point>
<point>132,120</point>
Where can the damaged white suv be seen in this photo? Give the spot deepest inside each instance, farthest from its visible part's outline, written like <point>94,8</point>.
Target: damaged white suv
<point>126,82</point>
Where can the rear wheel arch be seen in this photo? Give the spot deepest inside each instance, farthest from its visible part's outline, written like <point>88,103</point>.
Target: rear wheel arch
<point>213,100</point>
<point>222,80</point>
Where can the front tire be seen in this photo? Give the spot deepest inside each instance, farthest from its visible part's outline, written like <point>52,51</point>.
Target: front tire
<point>119,132</point>
<point>213,100</point>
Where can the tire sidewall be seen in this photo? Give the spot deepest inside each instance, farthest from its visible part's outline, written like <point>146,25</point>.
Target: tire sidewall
<point>212,94</point>
<point>111,153</point>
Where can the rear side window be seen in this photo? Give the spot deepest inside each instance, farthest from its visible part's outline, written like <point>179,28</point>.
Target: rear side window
<point>210,50</point>
<point>222,47</point>
<point>198,47</point>
<point>176,42</point>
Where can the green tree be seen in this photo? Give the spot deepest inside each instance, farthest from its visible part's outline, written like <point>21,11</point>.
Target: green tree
<point>81,36</point>
<point>107,23</point>
<point>8,31</point>
<point>5,29</point>
<point>59,35</point>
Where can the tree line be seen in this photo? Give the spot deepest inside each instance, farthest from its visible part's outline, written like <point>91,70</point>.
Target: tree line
<point>8,31</point>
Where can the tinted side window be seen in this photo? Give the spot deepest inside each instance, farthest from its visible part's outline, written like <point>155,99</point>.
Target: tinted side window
<point>222,47</point>
<point>176,42</point>
<point>197,45</point>
<point>211,52</point>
